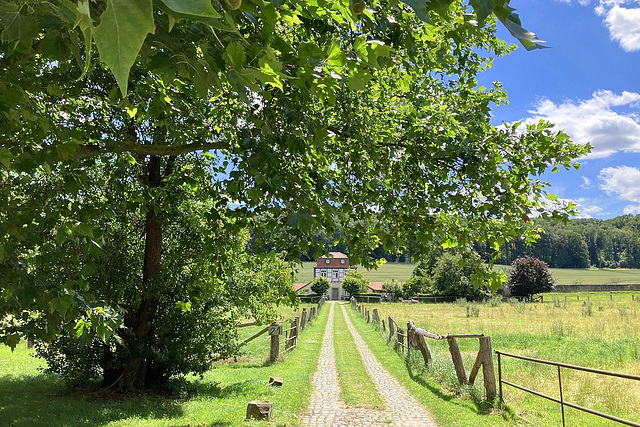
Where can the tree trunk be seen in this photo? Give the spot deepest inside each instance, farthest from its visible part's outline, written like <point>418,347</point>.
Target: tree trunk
<point>139,320</point>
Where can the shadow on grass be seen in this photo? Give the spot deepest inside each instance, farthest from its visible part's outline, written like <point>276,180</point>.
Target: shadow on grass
<point>42,400</point>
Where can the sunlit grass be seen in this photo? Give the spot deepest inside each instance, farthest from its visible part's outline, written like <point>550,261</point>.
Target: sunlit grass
<point>607,338</point>
<point>357,388</point>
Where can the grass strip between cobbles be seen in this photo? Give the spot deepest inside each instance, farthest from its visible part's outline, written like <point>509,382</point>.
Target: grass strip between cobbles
<point>357,388</point>
<point>446,408</point>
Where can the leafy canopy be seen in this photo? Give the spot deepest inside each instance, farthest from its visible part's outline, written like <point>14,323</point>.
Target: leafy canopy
<point>302,116</point>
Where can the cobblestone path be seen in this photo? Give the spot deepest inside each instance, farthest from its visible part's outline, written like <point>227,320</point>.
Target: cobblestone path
<point>326,408</point>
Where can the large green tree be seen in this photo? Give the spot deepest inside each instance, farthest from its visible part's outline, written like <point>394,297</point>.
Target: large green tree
<point>302,115</point>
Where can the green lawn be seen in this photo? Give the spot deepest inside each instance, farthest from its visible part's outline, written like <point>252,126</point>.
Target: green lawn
<point>597,333</point>
<point>564,276</point>
<point>30,398</point>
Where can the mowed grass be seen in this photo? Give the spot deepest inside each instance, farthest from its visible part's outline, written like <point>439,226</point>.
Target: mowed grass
<point>30,398</point>
<point>597,333</point>
<point>564,276</point>
<point>356,387</point>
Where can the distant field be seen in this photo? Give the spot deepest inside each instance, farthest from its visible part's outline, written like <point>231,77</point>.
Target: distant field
<point>564,276</point>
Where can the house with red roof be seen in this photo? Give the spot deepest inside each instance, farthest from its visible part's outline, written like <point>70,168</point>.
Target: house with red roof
<point>334,267</point>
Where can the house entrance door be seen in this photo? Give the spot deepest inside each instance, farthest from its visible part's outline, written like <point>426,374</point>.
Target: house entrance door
<point>335,293</point>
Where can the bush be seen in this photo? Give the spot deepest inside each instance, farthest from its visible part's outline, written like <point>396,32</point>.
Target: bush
<point>528,276</point>
<point>394,289</point>
<point>451,276</point>
<point>354,282</point>
<point>320,285</point>
<point>414,286</point>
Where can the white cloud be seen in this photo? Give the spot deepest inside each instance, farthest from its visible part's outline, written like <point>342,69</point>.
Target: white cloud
<point>621,180</point>
<point>631,210</point>
<point>595,121</point>
<point>586,183</point>
<point>624,27</point>
<point>585,210</point>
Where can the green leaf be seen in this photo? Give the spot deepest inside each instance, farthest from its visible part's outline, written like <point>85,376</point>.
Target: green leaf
<point>85,230</point>
<point>5,156</point>
<point>335,56</point>
<point>18,27</point>
<point>124,25</point>
<point>236,56</point>
<point>420,8</point>
<point>192,7</point>
<point>511,20</point>
<point>184,306</point>
<point>83,20</point>
<point>483,8</point>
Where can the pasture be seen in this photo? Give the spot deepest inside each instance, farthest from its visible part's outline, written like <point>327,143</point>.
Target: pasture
<point>597,333</point>
<point>564,276</point>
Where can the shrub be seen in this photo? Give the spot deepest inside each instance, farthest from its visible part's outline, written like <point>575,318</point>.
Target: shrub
<point>494,301</point>
<point>320,285</point>
<point>354,282</point>
<point>451,276</point>
<point>528,276</point>
<point>394,289</point>
<point>587,308</point>
<point>414,286</point>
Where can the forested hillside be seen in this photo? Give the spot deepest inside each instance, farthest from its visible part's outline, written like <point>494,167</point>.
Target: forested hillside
<point>582,243</point>
<point>578,243</point>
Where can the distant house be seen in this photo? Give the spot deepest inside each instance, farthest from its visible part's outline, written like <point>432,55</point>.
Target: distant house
<point>334,268</point>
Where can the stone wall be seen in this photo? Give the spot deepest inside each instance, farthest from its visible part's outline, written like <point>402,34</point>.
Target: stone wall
<point>597,288</point>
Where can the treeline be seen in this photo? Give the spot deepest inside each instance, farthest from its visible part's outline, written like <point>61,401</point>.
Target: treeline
<point>580,243</point>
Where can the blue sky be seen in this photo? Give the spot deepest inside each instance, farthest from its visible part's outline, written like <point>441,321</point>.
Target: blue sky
<point>588,83</point>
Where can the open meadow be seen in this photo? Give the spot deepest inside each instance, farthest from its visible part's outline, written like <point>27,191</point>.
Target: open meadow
<point>592,331</point>
<point>564,276</point>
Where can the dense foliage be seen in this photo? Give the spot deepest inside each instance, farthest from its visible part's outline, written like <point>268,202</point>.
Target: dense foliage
<point>580,243</point>
<point>452,276</point>
<point>320,285</point>
<point>528,276</point>
<point>302,116</point>
<point>354,282</point>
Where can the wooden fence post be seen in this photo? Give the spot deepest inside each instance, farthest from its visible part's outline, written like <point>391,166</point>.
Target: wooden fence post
<point>400,334</point>
<point>274,331</point>
<point>384,329</point>
<point>303,319</point>
<point>456,357</point>
<point>296,323</point>
<point>368,316</point>
<point>390,324</point>
<point>409,337</point>
<point>487,368</point>
<point>376,318</point>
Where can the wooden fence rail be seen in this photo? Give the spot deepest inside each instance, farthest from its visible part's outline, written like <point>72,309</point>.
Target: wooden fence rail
<point>414,339</point>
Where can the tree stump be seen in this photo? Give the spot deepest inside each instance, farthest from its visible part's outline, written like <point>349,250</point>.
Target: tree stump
<point>259,410</point>
<point>275,381</point>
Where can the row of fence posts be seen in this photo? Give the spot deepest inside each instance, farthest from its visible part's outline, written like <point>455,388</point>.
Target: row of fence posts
<point>414,339</point>
<point>290,340</point>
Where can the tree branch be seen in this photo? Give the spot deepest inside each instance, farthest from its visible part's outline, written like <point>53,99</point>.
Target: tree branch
<point>85,151</point>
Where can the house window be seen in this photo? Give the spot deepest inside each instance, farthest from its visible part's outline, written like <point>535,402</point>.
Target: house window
<point>327,261</point>
<point>343,261</point>
<point>335,274</point>
<point>323,273</point>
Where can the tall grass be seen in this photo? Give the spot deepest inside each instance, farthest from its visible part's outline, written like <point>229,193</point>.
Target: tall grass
<point>572,332</point>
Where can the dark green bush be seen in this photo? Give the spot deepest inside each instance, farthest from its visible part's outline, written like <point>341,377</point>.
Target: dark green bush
<point>528,276</point>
